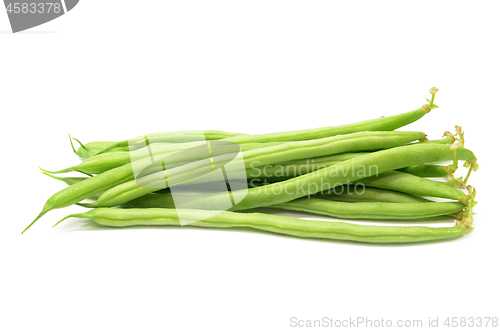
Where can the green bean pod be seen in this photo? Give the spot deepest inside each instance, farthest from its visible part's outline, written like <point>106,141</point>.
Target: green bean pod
<point>399,181</point>
<point>296,168</point>
<point>372,210</point>
<point>275,172</point>
<point>125,192</point>
<point>72,181</point>
<point>388,123</point>
<point>191,151</point>
<point>276,224</point>
<point>349,193</point>
<point>426,170</point>
<point>411,184</point>
<point>85,189</point>
<point>175,137</point>
<point>340,174</point>
<point>90,149</point>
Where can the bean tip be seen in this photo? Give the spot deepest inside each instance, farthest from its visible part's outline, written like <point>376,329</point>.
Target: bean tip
<point>465,199</point>
<point>450,136</point>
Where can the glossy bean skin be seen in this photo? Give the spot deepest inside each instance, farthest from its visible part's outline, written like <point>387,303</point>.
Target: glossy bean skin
<point>367,194</point>
<point>427,170</point>
<point>103,162</point>
<point>91,187</point>
<point>97,164</point>
<point>90,149</point>
<point>411,184</point>
<point>276,172</point>
<point>276,224</point>
<point>175,137</point>
<point>372,210</point>
<point>85,189</point>
<point>383,205</point>
<point>72,181</point>
<point>191,151</point>
<point>340,174</point>
<point>125,192</point>
<point>109,160</point>
<point>332,159</point>
<point>329,207</point>
<point>295,168</point>
<point>358,192</point>
<point>370,194</point>
<point>346,193</point>
<point>388,123</point>
<point>155,200</point>
<point>421,170</point>
<point>401,182</point>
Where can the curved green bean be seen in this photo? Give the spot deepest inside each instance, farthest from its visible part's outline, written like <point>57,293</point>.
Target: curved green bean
<point>388,123</point>
<point>87,188</point>
<point>372,210</point>
<point>272,223</point>
<point>90,149</point>
<point>174,137</point>
<point>427,170</point>
<point>411,184</point>
<point>72,181</point>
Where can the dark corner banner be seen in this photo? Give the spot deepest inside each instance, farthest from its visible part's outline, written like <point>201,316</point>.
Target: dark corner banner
<point>25,14</point>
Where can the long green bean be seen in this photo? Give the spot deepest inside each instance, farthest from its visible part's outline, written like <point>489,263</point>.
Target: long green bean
<point>372,210</point>
<point>388,123</point>
<point>272,223</point>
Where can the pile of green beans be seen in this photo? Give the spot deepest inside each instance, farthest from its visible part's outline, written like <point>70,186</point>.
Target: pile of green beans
<point>362,171</point>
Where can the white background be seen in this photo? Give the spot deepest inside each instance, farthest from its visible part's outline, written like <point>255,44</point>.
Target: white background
<point>111,70</point>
